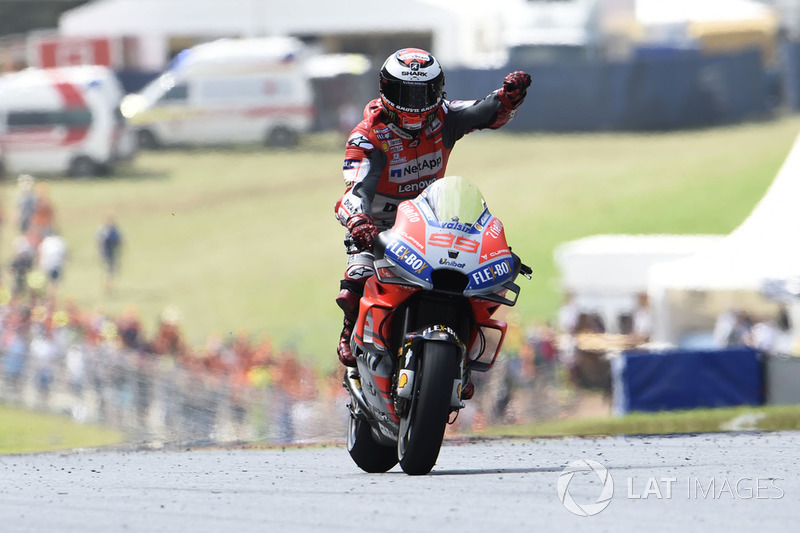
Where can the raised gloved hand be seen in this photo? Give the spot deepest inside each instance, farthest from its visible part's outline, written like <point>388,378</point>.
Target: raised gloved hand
<point>362,231</point>
<point>515,86</point>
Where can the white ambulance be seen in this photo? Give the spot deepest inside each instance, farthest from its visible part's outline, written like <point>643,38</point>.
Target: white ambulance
<point>63,121</point>
<point>226,92</point>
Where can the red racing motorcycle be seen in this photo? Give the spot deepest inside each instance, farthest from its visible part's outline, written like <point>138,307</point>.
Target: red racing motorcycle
<point>425,324</point>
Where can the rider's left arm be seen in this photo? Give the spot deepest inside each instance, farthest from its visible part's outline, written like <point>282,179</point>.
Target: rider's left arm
<point>492,112</point>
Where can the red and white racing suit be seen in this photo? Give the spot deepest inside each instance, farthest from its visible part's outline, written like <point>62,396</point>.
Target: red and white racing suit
<point>384,165</point>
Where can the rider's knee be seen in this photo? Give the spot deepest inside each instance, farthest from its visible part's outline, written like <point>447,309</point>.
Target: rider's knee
<point>349,296</point>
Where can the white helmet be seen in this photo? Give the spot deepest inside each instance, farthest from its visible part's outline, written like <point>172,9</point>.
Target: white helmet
<point>411,88</point>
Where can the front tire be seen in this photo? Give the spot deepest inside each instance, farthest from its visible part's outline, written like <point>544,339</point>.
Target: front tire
<point>369,455</point>
<point>422,429</point>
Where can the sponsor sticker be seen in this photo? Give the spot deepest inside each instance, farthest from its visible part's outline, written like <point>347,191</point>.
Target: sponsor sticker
<point>491,274</point>
<point>495,230</point>
<point>458,226</point>
<point>359,141</point>
<point>406,257</point>
<point>420,167</point>
<point>456,105</point>
<point>415,187</point>
<point>450,263</point>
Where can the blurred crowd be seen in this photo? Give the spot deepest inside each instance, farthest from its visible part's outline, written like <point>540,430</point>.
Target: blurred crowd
<point>105,369</point>
<point>57,356</point>
<point>154,385</point>
<point>766,333</point>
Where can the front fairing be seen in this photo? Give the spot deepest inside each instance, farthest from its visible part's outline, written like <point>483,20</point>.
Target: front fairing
<point>447,227</point>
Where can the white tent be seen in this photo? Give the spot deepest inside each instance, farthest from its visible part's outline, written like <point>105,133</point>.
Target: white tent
<point>455,30</point>
<point>712,25</point>
<point>689,292</point>
<point>619,263</point>
<point>653,12</point>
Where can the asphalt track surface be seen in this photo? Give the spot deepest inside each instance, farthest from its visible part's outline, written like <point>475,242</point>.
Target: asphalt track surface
<point>708,482</point>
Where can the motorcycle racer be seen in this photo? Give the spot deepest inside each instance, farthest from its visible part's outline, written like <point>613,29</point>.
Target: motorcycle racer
<point>401,146</point>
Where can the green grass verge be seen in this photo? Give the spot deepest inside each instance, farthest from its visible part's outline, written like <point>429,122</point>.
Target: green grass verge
<point>27,432</point>
<point>246,238</point>
<point>766,418</point>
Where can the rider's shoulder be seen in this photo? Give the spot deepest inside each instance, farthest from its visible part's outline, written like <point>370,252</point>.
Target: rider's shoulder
<point>364,135</point>
<point>373,109</point>
<point>374,121</point>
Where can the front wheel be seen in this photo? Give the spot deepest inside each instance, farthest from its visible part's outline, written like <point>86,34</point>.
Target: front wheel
<point>422,429</point>
<point>369,455</point>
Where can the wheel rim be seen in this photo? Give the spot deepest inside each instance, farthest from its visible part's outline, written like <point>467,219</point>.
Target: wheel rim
<point>352,429</point>
<point>405,435</point>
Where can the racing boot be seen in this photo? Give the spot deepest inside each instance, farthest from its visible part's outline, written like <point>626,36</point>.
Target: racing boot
<point>343,349</point>
<point>348,301</point>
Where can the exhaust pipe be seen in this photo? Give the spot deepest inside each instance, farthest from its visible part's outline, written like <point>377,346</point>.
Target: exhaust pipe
<point>353,385</point>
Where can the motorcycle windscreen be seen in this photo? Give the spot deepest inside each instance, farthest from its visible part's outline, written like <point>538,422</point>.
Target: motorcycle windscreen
<point>455,199</point>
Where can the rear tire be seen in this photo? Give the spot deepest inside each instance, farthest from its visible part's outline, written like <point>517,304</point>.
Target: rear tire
<point>147,140</point>
<point>369,455</point>
<point>282,137</point>
<point>83,167</point>
<point>422,430</point>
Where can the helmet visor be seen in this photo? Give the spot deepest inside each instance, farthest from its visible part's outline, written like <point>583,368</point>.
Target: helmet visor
<point>413,97</point>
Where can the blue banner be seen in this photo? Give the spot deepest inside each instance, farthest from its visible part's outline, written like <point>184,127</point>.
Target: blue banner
<point>682,379</point>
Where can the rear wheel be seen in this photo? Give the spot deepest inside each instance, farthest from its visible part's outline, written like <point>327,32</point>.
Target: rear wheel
<point>147,140</point>
<point>282,137</point>
<point>369,455</point>
<point>422,429</point>
<point>82,167</point>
